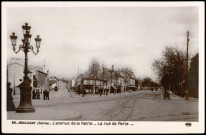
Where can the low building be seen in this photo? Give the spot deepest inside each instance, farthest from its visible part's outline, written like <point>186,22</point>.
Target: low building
<point>39,78</point>
<point>132,85</point>
<point>15,76</point>
<point>53,82</point>
<point>63,84</point>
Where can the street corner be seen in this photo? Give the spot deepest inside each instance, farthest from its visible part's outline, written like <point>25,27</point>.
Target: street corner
<point>45,114</point>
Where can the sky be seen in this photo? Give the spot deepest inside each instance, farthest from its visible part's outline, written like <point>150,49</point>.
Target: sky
<point>121,36</point>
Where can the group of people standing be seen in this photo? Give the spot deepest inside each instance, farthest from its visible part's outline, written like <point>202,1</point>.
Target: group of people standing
<point>46,94</point>
<point>104,91</point>
<point>80,89</point>
<point>36,94</point>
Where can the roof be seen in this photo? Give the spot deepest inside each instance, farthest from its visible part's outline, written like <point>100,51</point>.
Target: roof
<point>15,63</point>
<point>42,72</point>
<point>87,78</point>
<point>32,67</point>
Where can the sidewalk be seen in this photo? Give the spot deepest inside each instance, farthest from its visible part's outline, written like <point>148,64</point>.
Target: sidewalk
<point>63,97</point>
<point>58,97</point>
<point>44,114</point>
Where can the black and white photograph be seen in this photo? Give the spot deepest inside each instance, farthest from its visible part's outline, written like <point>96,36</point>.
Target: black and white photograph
<point>103,67</point>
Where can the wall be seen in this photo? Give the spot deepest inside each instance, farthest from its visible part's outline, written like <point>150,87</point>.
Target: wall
<point>15,73</point>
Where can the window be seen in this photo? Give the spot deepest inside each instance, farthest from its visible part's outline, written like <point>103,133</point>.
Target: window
<point>92,82</point>
<point>85,82</point>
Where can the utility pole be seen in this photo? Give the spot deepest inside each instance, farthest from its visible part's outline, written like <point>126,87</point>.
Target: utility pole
<point>7,75</point>
<point>14,85</point>
<point>78,71</point>
<point>186,76</point>
<point>103,75</point>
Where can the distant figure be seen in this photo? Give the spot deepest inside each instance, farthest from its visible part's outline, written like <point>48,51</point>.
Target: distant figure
<point>104,91</point>
<point>10,104</point>
<point>82,89</point>
<point>47,95</point>
<point>33,94</point>
<point>44,94</point>
<point>69,92</point>
<point>55,88</point>
<point>107,91</point>
<point>186,92</point>
<point>165,83</point>
<point>100,91</point>
<point>119,89</point>
<point>84,93</point>
<point>78,88</point>
<point>38,94</point>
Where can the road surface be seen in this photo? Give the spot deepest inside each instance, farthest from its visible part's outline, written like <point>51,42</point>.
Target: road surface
<point>136,106</point>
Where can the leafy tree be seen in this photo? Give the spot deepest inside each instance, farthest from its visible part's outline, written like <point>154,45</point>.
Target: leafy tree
<point>172,65</point>
<point>146,82</point>
<point>127,73</point>
<point>193,76</point>
<point>94,71</point>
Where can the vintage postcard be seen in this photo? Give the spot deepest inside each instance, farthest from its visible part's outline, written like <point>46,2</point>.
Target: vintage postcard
<point>103,67</point>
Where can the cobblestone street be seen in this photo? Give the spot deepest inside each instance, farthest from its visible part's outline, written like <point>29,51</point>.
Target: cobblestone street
<point>135,106</point>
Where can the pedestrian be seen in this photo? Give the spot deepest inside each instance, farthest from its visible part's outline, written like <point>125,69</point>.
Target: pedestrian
<point>165,82</point>
<point>69,92</point>
<point>78,87</point>
<point>10,104</point>
<point>82,89</point>
<point>55,88</point>
<point>100,91</point>
<point>38,94</point>
<point>104,90</point>
<point>119,89</point>
<point>107,91</point>
<point>33,94</point>
<point>186,94</point>
<point>47,95</point>
<point>44,94</point>
<point>84,92</point>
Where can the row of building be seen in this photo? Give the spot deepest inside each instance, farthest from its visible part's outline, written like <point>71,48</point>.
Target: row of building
<point>40,78</point>
<point>91,85</point>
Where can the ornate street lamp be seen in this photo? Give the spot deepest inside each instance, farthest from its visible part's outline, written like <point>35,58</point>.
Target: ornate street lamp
<point>25,88</point>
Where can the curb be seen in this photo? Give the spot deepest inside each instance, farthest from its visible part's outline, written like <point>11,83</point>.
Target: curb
<point>44,114</point>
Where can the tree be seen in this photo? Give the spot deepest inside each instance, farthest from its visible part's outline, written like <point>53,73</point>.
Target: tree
<point>172,65</point>
<point>116,75</point>
<point>94,71</point>
<point>127,73</point>
<point>146,82</point>
<point>193,76</point>
<point>104,74</point>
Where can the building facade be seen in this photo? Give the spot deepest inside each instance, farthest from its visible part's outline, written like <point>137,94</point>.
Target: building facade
<point>15,76</point>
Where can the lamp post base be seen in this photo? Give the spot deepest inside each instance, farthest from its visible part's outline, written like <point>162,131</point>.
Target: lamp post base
<point>25,97</point>
<point>24,110</point>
